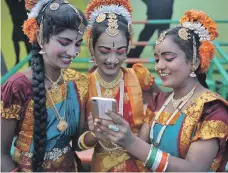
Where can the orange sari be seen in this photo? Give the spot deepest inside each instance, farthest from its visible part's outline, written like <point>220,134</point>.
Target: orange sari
<point>136,80</point>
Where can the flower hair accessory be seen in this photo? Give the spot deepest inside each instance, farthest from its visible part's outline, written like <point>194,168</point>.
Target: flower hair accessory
<point>99,10</point>
<point>206,29</point>
<point>30,26</point>
<point>201,23</point>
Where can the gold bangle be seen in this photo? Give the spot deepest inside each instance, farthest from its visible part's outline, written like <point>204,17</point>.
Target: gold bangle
<point>82,141</point>
<point>93,134</point>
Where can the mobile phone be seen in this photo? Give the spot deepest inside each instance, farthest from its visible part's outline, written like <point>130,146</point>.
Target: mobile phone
<point>100,104</point>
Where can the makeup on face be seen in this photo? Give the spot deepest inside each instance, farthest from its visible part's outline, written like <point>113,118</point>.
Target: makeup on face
<point>67,41</point>
<point>105,50</point>
<point>168,56</point>
<point>63,47</point>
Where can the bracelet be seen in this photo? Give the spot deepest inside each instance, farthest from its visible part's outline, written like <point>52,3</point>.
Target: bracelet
<point>81,141</point>
<point>157,160</point>
<point>148,157</point>
<point>15,169</point>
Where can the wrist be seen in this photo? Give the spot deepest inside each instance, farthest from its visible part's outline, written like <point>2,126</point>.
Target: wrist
<point>90,138</point>
<point>87,140</point>
<point>131,142</point>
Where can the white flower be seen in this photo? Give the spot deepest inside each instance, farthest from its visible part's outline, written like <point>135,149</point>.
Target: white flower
<point>117,9</point>
<point>36,9</point>
<point>197,27</point>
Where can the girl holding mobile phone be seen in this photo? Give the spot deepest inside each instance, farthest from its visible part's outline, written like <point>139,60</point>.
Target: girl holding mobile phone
<point>108,37</point>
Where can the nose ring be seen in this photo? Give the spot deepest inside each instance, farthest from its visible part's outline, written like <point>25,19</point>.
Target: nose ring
<point>117,61</point>
<point>108,60</point>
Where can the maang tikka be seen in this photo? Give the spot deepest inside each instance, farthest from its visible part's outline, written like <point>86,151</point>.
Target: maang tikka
<point>112,29</point>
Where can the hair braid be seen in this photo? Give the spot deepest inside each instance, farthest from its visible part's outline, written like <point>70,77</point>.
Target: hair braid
<point>40,112</point>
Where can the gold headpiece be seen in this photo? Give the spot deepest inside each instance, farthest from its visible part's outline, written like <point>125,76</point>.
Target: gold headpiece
<point>183,34</point>
<point>161,37</point>
<point>112,29</point>
<point>30,26</point>
<point>101,17</point>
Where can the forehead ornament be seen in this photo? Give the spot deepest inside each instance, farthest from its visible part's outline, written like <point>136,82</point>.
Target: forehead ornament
<point>112,29</point>
<point>161,37</point>
<point>101,17</point>
<point>54,6</point>
<point>183,34</point>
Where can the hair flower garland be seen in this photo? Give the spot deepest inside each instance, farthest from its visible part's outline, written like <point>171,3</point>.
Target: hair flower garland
<point>206,29</point>
<point>30,27</point>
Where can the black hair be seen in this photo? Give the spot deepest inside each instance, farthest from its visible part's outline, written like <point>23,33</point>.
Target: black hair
<point>54,22</point>
<point>187,47</point>
<point>99,28</point>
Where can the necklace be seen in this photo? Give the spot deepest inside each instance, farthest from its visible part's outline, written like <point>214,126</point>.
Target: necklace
<point>108,85</point>
<point>55,86</point>
<point>62,125</point>
<point>107,145</point>
<point>176,102</point>
<point>180,106</point>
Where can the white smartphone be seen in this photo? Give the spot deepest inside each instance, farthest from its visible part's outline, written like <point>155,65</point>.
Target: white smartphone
<point>100,104</point>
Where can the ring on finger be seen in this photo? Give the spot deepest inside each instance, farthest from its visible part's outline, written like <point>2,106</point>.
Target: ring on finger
<point>114,127</point>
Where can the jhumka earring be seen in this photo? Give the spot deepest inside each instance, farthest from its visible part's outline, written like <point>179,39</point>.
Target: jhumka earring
<point>192,74</point>
<point>42,51</point>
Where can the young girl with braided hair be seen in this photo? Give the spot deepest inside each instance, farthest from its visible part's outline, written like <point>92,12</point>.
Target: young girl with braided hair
<point>42,107</point>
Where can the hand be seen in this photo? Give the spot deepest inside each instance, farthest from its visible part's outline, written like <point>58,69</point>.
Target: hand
<point>122,136</point>
<point>92,128</point>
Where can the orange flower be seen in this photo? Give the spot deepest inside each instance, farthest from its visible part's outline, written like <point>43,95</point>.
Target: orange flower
<point>30,28</point>
<point>29,4</point>
<point>204,19</point>
<point>96,3</point>
<point>207,49</point>
<point>206,52</point>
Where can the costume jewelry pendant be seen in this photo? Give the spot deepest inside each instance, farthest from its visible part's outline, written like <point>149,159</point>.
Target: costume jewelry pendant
<point>62,125</point>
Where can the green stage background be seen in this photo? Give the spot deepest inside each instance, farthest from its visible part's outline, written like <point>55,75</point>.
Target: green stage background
<point>217,9</point>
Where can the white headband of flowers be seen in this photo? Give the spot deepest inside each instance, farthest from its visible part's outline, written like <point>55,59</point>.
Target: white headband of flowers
<point>117,9</point>
<point>200,30</point>
<point>37,8</point>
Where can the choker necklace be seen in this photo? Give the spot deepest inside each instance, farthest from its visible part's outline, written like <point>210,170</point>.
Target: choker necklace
<point>108,85</point>
<point>176,102</point>
<point>55,86</point>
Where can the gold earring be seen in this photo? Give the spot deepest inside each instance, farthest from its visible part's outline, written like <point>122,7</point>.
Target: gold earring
<point>42,51</point>
<point>192,74</point>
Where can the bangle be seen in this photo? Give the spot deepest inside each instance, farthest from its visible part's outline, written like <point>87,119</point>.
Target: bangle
<point>166,164</point>
<point>157,160</point>
<point>148,157</point>
<point>81,141</point>
<point>15,169</point>
<point>163,163</point>
<point>93,134</point>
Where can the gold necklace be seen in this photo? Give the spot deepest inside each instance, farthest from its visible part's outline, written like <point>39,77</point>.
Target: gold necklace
<point>62,125</point>
<point>108,85</point>
<point>157,142</point>
<point>55,85</point>
<point>176,102</point>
